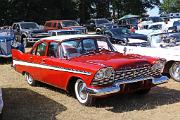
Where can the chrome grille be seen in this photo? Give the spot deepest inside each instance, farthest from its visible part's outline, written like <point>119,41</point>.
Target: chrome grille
<point>143,71</point>
<point>5,47</point>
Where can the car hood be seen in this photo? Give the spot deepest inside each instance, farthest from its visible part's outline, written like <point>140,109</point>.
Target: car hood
<point>113,59</point>
<point>6,38</point>
<point>77,27</point>
<point>35,31</point>
<point>134,36</point>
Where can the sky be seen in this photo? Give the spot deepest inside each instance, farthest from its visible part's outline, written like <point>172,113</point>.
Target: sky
<point>154,11</point>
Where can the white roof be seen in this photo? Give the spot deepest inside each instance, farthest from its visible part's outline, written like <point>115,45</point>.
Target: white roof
<point>66,37</point>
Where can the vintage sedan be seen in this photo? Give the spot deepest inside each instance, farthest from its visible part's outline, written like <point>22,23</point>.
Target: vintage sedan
<point>89,66</point>
<point>1,104</point>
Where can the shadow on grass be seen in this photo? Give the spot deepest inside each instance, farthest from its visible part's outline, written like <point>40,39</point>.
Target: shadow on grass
<point>123,103</point>
<point>24,104</point>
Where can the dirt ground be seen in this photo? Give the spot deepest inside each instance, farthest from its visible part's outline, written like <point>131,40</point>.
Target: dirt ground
<point>23,102</point>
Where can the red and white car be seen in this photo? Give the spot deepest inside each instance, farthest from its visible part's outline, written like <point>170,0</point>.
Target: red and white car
<point>89,66</point>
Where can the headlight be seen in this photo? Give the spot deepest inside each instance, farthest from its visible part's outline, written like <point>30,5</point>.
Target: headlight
<point>104,73</point>
<point>159,65</point>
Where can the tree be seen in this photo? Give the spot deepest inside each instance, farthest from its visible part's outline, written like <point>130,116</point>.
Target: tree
<point>169,6</point>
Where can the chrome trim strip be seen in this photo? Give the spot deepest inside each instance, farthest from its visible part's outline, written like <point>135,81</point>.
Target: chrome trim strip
<point>15,62</point>
<point>116,86</point>
<point>6,56</point>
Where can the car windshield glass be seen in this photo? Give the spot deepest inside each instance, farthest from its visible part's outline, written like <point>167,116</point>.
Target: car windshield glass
<point>29,26</point>
<point>103,21</point>
<point>120,31</point>
<point>6,33</point>
<point>77,47</point>
<point>67,32</point>
<point>69,23</point>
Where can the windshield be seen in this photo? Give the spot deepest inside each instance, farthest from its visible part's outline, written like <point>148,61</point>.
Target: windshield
<point>69,23</point>
<point>77,47</point>
<point>29,26</point>
<point>120,31</point>
<point>102,21</point>
<point>7,33</point>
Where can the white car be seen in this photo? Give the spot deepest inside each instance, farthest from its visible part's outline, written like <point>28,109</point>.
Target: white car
<point>1,103</point>
<point>171,52</point>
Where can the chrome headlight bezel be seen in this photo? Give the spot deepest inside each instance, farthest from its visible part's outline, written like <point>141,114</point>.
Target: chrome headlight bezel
<point>159,65</point>
<point>104,73</point>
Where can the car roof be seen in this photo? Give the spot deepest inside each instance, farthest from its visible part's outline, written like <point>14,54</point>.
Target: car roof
<point>67,37</point>
<point>23,22</point>
<point>58,20</point>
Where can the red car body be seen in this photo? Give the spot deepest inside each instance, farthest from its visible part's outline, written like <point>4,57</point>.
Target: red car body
<point>63,72</point>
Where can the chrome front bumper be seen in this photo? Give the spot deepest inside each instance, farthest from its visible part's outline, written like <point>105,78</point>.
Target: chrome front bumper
<point>6,56</point>
<point>116,86</point>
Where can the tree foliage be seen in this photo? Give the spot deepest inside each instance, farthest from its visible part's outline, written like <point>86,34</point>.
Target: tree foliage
<point>169,6</point>
<point>41,10</point>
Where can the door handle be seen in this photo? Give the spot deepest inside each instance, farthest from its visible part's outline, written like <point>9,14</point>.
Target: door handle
<point>30,57</point>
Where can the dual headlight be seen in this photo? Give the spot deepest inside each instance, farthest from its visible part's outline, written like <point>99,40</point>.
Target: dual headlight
<point>104,73</point>
<point>159,65</point>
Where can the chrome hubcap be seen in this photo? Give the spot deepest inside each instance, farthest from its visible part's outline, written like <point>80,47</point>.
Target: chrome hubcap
<point>82,90</point>
<point>29,79</point>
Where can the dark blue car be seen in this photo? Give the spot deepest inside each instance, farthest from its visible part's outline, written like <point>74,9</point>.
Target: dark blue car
<point>7,39</point>
<point>123,36</point>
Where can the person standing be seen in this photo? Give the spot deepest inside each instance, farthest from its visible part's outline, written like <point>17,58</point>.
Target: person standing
<point>165,26</point>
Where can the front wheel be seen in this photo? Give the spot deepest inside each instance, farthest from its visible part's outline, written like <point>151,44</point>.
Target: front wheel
<point>30,80</point>
<point>174,71</point>
<point>81,94</point>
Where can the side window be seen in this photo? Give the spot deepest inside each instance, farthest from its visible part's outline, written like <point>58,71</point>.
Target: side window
<point>41,49</point>
<point>48,24</point>
<point>53,50</point>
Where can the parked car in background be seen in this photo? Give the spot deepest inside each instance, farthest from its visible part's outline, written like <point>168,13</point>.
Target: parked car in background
<point>7,38</point>
<point>28,32</point>
<point>7,42</point>
<point>100,25</point>
<point>123,36</point>
<point>64,25</point>
<point>88,66</point>
<point>163,45</point>
<point>63,32</point>
<point>1,104</point>
<point>146,21</point>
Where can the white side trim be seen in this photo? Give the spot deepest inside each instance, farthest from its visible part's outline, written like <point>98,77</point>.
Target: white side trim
<point>15,62</point>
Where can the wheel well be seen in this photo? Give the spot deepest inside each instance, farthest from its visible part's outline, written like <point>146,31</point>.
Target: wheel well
<point>71,83</point>
<point>168,66</point>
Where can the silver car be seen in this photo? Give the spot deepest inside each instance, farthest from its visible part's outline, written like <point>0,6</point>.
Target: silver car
<point>1,103</point>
